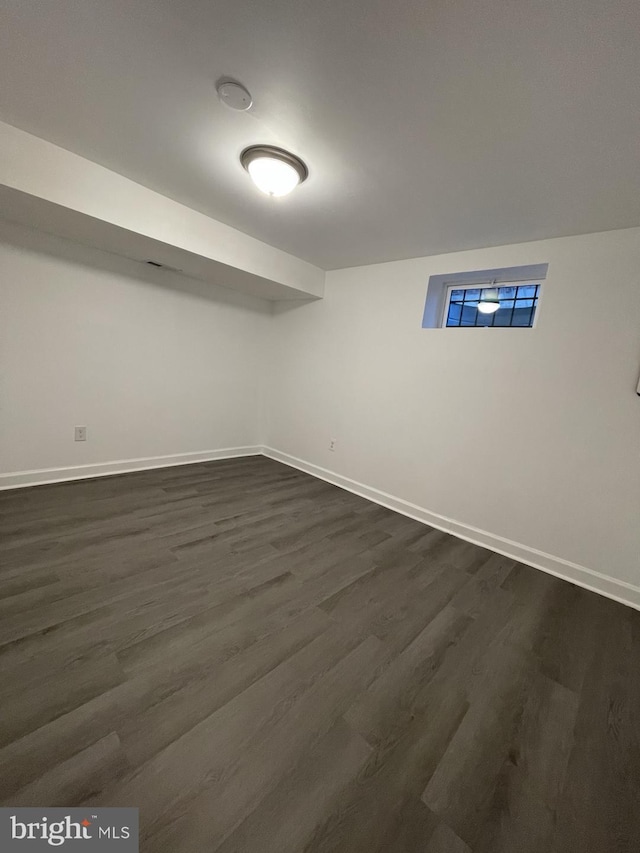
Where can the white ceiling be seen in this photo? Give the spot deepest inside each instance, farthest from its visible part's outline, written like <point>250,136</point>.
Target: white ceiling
<point>427,126</point>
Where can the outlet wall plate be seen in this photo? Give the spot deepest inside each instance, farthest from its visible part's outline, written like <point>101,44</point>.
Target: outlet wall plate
<point>80,433</point>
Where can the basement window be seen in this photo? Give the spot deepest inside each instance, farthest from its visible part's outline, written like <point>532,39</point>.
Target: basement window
<point>512,292</point>
<point>517,305</point>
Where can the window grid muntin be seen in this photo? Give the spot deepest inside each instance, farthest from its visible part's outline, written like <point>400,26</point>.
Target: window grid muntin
<point>521,293</point>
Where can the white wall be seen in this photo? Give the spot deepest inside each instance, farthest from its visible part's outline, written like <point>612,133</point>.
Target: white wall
<point>530,435</point>
<point>151,362</point>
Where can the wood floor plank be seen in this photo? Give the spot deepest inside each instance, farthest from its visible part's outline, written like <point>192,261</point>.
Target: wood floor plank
<point>75,779</point>
<point>55,693</point>
<point>261,661</point>
<point>289,815</point>
<point>532,777</point>
<point>412,829</point>
<point>598,808</point>
<point>218,680</point>
<point>213,748</point>
<point>386,793</point>
<point>444,840</point>
<point>382,712</point>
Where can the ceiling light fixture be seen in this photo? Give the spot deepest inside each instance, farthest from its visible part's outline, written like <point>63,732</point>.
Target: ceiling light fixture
<point>489,301</point>
<point>273,170</point>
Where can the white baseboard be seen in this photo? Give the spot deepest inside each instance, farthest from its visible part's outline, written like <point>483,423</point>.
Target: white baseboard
<point>590,579</point>
<point>21,479</point>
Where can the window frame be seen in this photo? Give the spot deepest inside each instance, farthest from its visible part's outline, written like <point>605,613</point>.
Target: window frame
<point>490,285</point>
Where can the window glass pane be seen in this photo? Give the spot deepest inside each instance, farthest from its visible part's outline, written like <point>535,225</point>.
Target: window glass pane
<point>489,292</point>
<point>472,293</point>
<point>521,316</point>
<point>468,315</point>
<point>453,318</point>
<point>503,314</point>
<point>506,293</point>
<point>457,295</point>
<point>524,303</point>
<point>527,291</point>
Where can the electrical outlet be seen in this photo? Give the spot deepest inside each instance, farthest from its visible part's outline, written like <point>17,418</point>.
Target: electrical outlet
<point>332,444</point>
<point>80,433</point>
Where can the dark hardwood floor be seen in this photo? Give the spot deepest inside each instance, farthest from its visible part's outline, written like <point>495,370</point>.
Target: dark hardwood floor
<point>263,663</point>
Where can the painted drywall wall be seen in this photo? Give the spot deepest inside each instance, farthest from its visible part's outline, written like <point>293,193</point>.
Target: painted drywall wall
<point>532,435</point>
<point>154,364</point>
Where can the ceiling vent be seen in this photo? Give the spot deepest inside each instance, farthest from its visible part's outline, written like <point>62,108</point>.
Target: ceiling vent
<point>158,266</point>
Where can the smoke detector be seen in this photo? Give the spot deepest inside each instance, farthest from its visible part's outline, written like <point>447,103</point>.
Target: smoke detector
<point>234,95</point>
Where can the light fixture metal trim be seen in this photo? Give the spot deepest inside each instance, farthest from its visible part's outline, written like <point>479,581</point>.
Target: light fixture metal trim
<point>253,152</point>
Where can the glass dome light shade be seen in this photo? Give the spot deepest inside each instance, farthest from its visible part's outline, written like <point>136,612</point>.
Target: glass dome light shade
<point>273,170</point>
<point>273,177</point>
